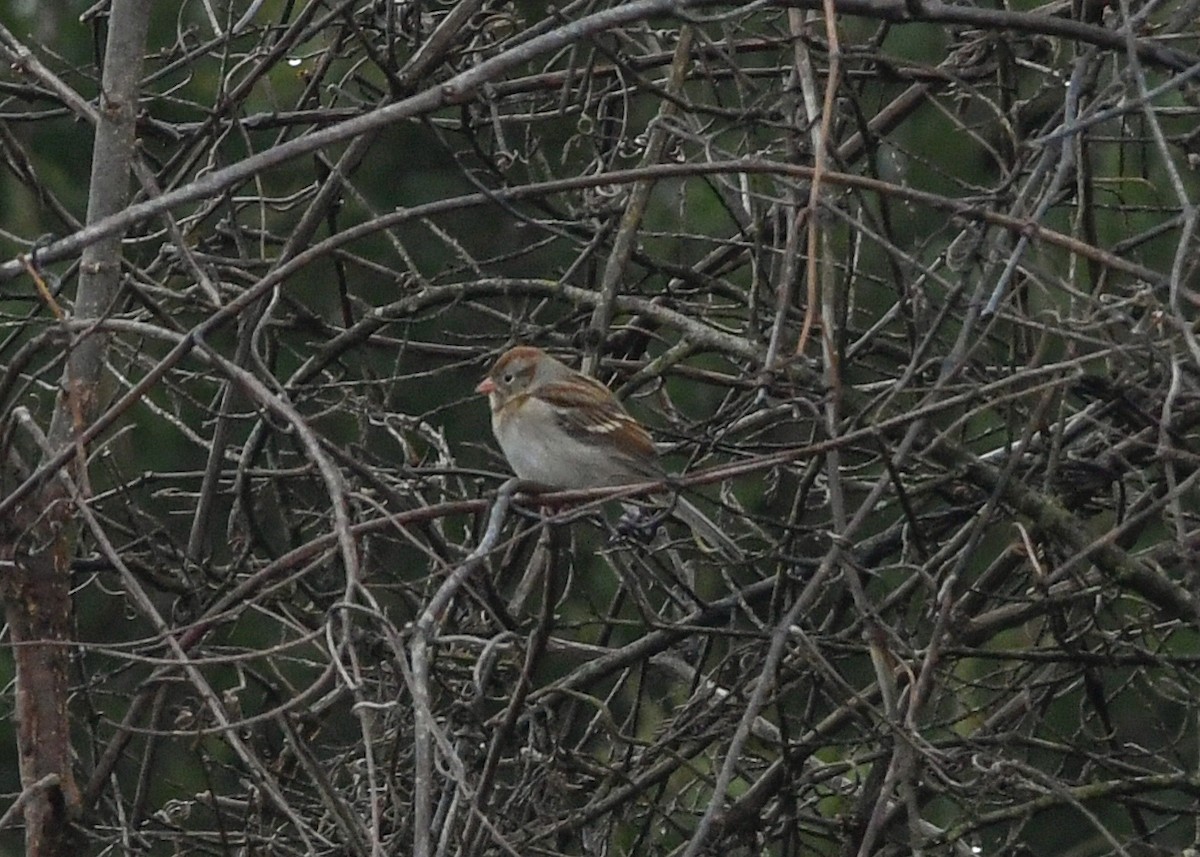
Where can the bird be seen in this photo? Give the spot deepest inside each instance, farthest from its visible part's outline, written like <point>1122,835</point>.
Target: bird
<point>564,430</point>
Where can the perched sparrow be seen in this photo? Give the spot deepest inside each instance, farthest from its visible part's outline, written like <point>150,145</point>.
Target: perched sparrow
<point>561,429</point>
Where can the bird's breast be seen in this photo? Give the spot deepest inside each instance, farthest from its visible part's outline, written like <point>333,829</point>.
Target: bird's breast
<point>540,450</point>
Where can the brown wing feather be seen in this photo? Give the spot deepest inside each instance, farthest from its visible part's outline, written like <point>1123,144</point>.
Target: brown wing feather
<point>591,412</point>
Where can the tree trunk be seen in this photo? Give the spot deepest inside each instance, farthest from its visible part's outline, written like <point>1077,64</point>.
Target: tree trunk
<point>40,539</point>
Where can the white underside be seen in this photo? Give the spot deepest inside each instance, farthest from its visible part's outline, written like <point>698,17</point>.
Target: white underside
<point>540,450</point>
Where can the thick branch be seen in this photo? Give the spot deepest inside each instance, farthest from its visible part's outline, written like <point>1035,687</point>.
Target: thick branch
<point>41,541</point>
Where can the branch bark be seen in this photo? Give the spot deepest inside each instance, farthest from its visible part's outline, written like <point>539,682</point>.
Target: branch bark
<point>39,539</point>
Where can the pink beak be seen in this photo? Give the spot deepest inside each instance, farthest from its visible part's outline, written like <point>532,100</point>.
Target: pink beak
<point>487,386</point>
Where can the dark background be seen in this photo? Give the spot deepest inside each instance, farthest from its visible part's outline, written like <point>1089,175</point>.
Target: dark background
<point>927,481</point>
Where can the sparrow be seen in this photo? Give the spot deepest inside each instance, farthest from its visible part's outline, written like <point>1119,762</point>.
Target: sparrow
<point>561,429</point>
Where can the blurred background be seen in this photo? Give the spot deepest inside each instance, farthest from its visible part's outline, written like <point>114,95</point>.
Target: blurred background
<point>910,288</point>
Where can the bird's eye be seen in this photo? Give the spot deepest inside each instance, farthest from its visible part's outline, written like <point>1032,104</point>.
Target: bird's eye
<point>509,377</point>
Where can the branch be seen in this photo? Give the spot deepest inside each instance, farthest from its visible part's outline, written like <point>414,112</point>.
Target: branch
<point>462,87</point>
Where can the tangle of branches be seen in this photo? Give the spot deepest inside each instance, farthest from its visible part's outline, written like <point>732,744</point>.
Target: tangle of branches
<point>906,292</point>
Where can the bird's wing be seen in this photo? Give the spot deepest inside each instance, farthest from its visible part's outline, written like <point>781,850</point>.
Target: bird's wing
<point>591,413</point>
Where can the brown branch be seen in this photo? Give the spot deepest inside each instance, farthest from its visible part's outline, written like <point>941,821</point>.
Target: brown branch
<point>39,541</point>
